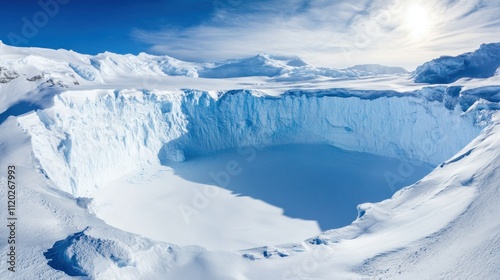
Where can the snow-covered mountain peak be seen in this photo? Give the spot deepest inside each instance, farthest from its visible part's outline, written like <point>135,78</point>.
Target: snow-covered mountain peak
<point>293,61</point>
<point>109,67</point>
<point>259,65</point>
<point>482,63</point>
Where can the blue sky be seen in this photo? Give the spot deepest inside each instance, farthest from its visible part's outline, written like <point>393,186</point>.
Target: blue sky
<point>334,33</point>
<point>92,26</point>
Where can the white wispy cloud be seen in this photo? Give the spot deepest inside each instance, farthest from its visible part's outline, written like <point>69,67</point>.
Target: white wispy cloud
<point>334,33</point>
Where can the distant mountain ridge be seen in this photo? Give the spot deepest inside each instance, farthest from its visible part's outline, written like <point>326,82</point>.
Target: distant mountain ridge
<point>108,66</point>
<point>68,67</point>
<point>482,63</point>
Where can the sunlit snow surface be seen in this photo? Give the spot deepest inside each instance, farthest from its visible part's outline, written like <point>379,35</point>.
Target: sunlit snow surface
<point>110,148</point>
<point>160,205</point>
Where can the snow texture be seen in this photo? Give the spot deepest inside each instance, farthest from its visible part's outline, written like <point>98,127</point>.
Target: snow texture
<point>73,123</point>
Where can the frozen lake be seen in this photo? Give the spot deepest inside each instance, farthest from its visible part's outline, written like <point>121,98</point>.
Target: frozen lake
<point>311,182</point>
<point>273,195</point>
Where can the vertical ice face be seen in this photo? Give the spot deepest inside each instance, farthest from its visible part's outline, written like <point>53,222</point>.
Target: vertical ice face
<point>90,138</point>
<point>408,127</point>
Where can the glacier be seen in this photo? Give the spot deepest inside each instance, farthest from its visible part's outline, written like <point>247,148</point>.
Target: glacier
<point>130,129</point>
<point>76,124</point>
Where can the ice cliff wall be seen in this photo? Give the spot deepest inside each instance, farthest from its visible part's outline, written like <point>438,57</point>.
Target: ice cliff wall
<point>90,137</point>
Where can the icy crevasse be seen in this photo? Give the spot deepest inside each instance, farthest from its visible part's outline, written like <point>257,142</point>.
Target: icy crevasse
<point>89,138</point>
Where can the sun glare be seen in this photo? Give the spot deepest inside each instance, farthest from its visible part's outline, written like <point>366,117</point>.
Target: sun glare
<point>417,22</point>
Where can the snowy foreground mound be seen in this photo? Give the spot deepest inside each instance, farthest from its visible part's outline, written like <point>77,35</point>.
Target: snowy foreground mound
<point>74,124</point>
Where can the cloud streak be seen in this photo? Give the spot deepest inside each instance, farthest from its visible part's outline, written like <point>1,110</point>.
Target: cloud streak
<point>333,33</point>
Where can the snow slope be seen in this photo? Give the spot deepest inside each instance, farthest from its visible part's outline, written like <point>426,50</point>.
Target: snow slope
<point>169,208</point>
<point>74,124</point>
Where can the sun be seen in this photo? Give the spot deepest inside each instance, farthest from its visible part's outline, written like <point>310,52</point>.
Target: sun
<point>418,21</point>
